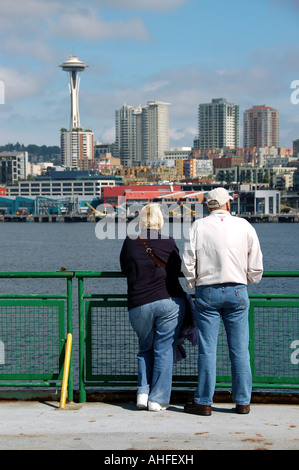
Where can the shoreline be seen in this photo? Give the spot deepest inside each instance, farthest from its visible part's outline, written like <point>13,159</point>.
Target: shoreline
<point>75,218</point>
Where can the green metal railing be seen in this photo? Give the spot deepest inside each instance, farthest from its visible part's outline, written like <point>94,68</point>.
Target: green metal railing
<point>33,334</point>
<point>34,328</point>
<point>108,345</point>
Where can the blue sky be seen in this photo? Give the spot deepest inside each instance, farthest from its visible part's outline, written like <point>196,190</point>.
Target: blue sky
<point>184,52</point>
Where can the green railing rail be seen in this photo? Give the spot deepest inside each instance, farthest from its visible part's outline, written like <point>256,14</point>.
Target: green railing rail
<point>34,327</point>
<point>33,334</point>
<point>108,345</point>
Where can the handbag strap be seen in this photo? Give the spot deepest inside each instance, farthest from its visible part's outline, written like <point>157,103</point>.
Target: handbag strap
<point>152,255</point>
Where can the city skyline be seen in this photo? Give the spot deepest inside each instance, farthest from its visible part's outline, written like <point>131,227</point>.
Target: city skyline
<point>184,52</point>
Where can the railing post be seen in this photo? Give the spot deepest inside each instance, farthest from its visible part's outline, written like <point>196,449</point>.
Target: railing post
<point>82,392</point>
<point>66,370</point>
<point>70,330</point>
<point>251,338</point>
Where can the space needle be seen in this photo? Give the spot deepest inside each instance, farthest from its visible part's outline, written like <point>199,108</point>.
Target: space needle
<point>74,66</point>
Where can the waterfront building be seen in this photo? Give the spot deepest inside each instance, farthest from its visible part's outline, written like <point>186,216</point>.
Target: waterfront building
<point>65,183</point>
<point>261,127</point>
<point>112,195</point>
<point>46,205</point>
<point>279,176</point>
<point>13,167</point>
<point>218,125</point>
<point>76,144</point>
<point>242,173</point>
<point>283,177</point>
<point>259,201</point>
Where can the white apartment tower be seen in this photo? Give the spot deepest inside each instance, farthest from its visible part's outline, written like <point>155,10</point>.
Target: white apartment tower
<point>76,144</point>
<point>126,134</point>
<point>141,133</point>
<point>218,125</point>
<point>155,130</point>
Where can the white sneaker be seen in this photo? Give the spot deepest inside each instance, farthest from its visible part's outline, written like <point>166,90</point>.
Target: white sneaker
<point>152,406</point>
<point>142,399</point>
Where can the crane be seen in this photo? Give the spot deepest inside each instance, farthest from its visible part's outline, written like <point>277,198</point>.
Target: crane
<point>180,203</point>
<point>94,211</point>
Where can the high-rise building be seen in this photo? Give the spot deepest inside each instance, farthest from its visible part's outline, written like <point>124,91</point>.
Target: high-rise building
<point>141,133</point>
<point>261,127</point>
<point>218,125</point>
<point>13,167</point>
<point>296,148</point>
<point>76,144</point>
<point>125,146</point>
<point>155,130</point>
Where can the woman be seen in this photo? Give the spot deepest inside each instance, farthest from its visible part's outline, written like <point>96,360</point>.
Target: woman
<point>156,306</point>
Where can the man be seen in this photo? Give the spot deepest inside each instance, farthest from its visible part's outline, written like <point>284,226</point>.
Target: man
<point>223,257</point>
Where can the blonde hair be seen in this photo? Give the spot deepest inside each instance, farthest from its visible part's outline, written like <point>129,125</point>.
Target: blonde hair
<point>151,217</point>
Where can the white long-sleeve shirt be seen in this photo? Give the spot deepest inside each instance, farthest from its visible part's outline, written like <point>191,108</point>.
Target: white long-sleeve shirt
<point>222,248</point>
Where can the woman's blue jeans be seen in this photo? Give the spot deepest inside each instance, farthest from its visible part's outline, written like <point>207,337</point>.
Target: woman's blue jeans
<point>230,302</point>
<point>157,326</point>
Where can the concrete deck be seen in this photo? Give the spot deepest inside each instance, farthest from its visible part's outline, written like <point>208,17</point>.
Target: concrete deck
<point>34,425</point>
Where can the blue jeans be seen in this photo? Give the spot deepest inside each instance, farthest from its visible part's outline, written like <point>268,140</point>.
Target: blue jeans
<point>157,326</point>
<point>229,301</point>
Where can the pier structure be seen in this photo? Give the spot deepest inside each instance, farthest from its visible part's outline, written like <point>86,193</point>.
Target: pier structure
<point>122,431</point>
<point>91,217</point>
<point>101,413</point>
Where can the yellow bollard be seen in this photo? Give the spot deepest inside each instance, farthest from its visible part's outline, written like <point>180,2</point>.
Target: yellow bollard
<point>66,369</point>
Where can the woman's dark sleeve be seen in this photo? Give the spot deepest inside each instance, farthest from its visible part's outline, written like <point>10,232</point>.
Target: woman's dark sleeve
<point>174,261</point>
<point>122,258</point>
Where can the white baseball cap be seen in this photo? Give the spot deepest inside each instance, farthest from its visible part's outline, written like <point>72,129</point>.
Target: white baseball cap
<point>217,198</point>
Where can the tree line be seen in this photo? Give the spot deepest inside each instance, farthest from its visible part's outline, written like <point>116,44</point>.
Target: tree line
<point>32,149</point>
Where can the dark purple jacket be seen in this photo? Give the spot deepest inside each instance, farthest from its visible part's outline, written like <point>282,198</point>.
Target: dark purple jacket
<point>146,281</point>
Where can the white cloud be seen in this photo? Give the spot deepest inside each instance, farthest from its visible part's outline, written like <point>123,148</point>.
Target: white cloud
<point>20,83</point>
<point>186,87</point>
<point>87,25</point>
<point>154,86</point>
<point>36,49</point>
<point>108,135</point>
<point>155,5</point>
<point>183,135</point>
<point>37,22</point>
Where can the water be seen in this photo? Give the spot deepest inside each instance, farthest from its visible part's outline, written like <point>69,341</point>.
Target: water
<point>48,247</point>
